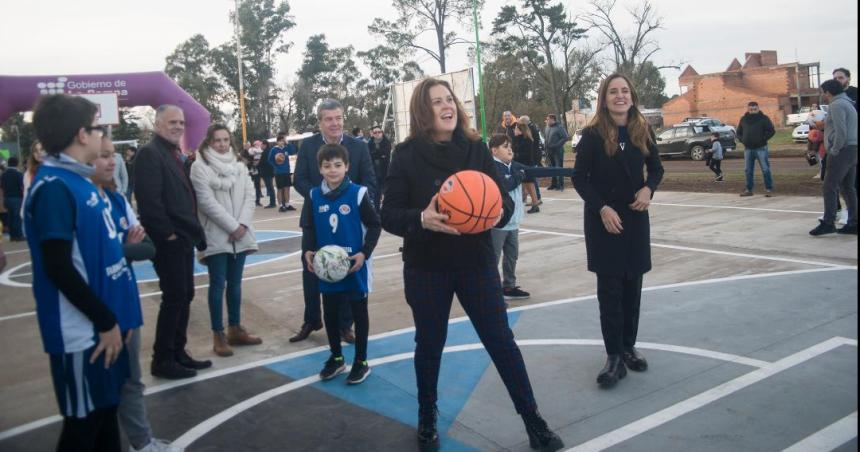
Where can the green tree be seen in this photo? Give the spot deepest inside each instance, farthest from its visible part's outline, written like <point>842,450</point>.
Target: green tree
<point>190,66</point>
<point>415,17</point>
<point>15,130</point>
<point>127,128</point>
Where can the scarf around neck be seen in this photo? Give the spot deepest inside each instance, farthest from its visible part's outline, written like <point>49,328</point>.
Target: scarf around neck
<point>330,193</point>
<point>67,163</point>
<point>225,168</point>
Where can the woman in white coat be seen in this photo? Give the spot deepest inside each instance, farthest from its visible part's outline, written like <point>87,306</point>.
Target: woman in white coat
<point>225,206</point>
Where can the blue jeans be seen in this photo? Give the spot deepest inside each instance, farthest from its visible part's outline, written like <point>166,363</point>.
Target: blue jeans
<point>13,205</point>
<point>750,157</point>
<point>225,269</point>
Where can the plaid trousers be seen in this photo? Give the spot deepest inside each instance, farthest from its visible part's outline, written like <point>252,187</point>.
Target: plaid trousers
<point>430,294</point>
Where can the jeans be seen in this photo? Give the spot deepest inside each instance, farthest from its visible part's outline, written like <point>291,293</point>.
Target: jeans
<point>225,269</point>
<point>132,409</point>
<point>840,176</point>
<point>715,167</point>
<point>381,169</point>
<point>750,157</point>
<point>507,242</point>
<point>174,265</point>
<point>311,289</point>
<point>556,158</point>
<point>13,205</point>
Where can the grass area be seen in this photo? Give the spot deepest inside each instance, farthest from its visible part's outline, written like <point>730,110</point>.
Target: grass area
<point>782,137</point>
<point>791,182</point>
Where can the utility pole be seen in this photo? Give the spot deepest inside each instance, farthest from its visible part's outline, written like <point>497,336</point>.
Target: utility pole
<point>480,78</point>
<point>241,81</point>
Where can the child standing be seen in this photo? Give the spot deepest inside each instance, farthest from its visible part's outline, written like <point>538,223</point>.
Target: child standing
<point>341,213</point>
<point>506,238</point>
<point>716,157</point>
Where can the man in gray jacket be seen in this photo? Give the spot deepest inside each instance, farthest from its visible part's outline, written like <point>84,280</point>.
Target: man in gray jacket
<point>840,140</point>
<point>555,136</point>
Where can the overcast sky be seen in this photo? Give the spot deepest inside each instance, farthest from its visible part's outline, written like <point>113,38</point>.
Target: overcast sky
<point>49,37</point>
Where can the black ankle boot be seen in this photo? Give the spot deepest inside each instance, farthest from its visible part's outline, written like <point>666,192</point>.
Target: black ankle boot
<point>540,436</point>
<point>428,437</point>
<point>613,371</point>
<point>633,360</point>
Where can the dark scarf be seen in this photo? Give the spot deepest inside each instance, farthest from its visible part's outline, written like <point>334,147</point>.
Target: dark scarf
<point>334,194</point>
<point>449,156</point>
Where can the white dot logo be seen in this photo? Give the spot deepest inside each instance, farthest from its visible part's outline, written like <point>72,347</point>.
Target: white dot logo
<point>41,85</point>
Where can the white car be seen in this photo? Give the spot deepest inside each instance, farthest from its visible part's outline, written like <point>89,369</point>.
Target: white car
<point>800,133</point>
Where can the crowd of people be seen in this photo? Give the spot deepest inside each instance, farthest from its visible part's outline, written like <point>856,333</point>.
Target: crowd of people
<point>78,220</point>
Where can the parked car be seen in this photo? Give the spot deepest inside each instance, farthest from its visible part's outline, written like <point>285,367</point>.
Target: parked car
<point>692,141</point>
<point>713,123</point>
<point>800,133</point>
<point>805,114</point>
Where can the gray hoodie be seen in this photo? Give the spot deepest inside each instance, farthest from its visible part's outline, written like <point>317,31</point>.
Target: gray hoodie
<point>840,125</point>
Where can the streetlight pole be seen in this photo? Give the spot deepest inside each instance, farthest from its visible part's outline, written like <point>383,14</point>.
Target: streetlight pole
<point>18,139</point>
<point>480,78</point>
<point>241,81</point>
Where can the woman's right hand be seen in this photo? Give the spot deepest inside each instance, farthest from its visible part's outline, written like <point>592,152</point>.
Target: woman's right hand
<point>432,220</point>
<point>611,220</point>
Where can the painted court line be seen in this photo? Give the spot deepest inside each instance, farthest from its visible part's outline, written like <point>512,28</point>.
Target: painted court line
<point>704,250</point>
<point>287,356</point>
<point>679,409</point>
<point>208,425</point>
<point>829,438</point>
<point>704,206</point>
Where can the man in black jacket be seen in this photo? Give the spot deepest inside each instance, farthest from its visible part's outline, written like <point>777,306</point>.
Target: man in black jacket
<point>380,152</point>
<point>843,76</point>
<point>306,177</point>
<point>754,130</point>
<point>168,212</point>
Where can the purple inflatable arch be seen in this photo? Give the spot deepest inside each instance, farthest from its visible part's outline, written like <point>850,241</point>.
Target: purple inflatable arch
<point>19,93</point>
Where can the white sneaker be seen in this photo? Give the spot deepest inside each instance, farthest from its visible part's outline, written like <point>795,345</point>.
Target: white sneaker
<point>842,216</point>
<point>158,445</point>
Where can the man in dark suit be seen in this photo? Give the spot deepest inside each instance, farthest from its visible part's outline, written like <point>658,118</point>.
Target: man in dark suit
<point>306,177</point>
<point>168,212</point>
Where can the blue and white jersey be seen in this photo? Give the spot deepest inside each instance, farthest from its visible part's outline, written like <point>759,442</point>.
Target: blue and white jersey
<point>338,222</point>
<point>65,205</point>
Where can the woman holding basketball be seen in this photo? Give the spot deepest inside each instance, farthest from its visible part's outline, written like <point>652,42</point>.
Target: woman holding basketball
<point>608,176</point>
<point>439,262</point>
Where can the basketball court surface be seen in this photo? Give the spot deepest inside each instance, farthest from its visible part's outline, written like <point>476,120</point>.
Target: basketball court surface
<point>748,323</point>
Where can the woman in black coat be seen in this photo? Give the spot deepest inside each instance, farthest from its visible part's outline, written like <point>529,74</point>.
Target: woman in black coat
<point>527,153</point>
<point>608,176</point>
<point>438,262</point>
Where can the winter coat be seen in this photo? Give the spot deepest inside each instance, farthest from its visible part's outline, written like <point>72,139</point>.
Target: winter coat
<point>225,199</point>
<point>754,129</point>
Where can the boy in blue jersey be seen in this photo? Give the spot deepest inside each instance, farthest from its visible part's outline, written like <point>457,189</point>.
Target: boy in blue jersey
<point>341,213</point>
<point>81,280</point>
<point>279,157</point>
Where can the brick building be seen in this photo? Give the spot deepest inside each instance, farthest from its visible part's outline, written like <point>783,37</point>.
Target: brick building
<point>779,89</point>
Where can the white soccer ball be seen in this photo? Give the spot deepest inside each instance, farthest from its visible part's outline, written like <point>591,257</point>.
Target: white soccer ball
<point>331,263</point>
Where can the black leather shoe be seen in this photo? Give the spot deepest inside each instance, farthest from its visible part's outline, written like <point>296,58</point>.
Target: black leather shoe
<point>428,437</point>
<point>540,436</point>
<point>634,361</point>
<point>306,331</point>
<point>613,371</point>
<point>184,359</point>
<point>170,370</point>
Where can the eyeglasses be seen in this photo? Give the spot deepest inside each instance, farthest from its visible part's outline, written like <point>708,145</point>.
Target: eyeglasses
<point>376,132</point>
<point>101,129</point>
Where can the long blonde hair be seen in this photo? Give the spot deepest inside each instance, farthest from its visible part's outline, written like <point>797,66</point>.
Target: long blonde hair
<point>637,126</point>
<point>523,125</point>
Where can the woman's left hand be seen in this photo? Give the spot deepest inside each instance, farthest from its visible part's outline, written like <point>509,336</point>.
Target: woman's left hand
<point>359,262</point>
<point>643,200</point>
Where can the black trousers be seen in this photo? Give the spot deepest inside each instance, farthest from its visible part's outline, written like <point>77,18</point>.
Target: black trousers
<point>98,432</point>
<point>174,265</point>
<point>311,289</point>
<point>715,166</point>
<point>333,304</point>
<point>270,189</point>
<point>619,298</point>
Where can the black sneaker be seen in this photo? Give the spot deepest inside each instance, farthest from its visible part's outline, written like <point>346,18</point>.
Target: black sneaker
<point>332,368</point>
<point>360,371</point>
<point>823,228</point>
<point>290,207</point>
<point>534,209</point>
<point>848,229</point>
<point>515,293</point>
<point>282,209</point>
<point>270,206</point>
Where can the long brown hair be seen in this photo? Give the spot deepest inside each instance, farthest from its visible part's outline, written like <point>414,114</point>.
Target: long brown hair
<point>524,129</point>
<point>33,164</point>
<point>210,135</point>
<point>637,126</point>
<point>422,119</point>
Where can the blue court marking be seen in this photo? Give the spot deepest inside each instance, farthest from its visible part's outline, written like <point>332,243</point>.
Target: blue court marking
<point>391,390</point>
<point>144,271</point>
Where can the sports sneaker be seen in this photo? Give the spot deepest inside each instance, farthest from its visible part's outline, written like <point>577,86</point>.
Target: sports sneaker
<point>823,228</point>
<point>332,368</point>
<point>282,208</point>
<point>360,371</point>
<point>718,179</point>
<point>515,293</point>
<point>848,229</point>
<point>157,445</point>
<point>290,207</point>
<point>534,209</point>
<point>747,193</point>
<point>768,193</point>
<point>842,216</point>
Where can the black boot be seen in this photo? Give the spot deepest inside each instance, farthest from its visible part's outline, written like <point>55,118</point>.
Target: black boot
<point>540,436</point>
<point>613,371</point>
<point>633,360</point>
<point>428,437</point>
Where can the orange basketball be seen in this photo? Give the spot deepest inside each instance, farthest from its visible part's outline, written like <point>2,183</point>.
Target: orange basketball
<point>280,158</point>
<point>472,201</point>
